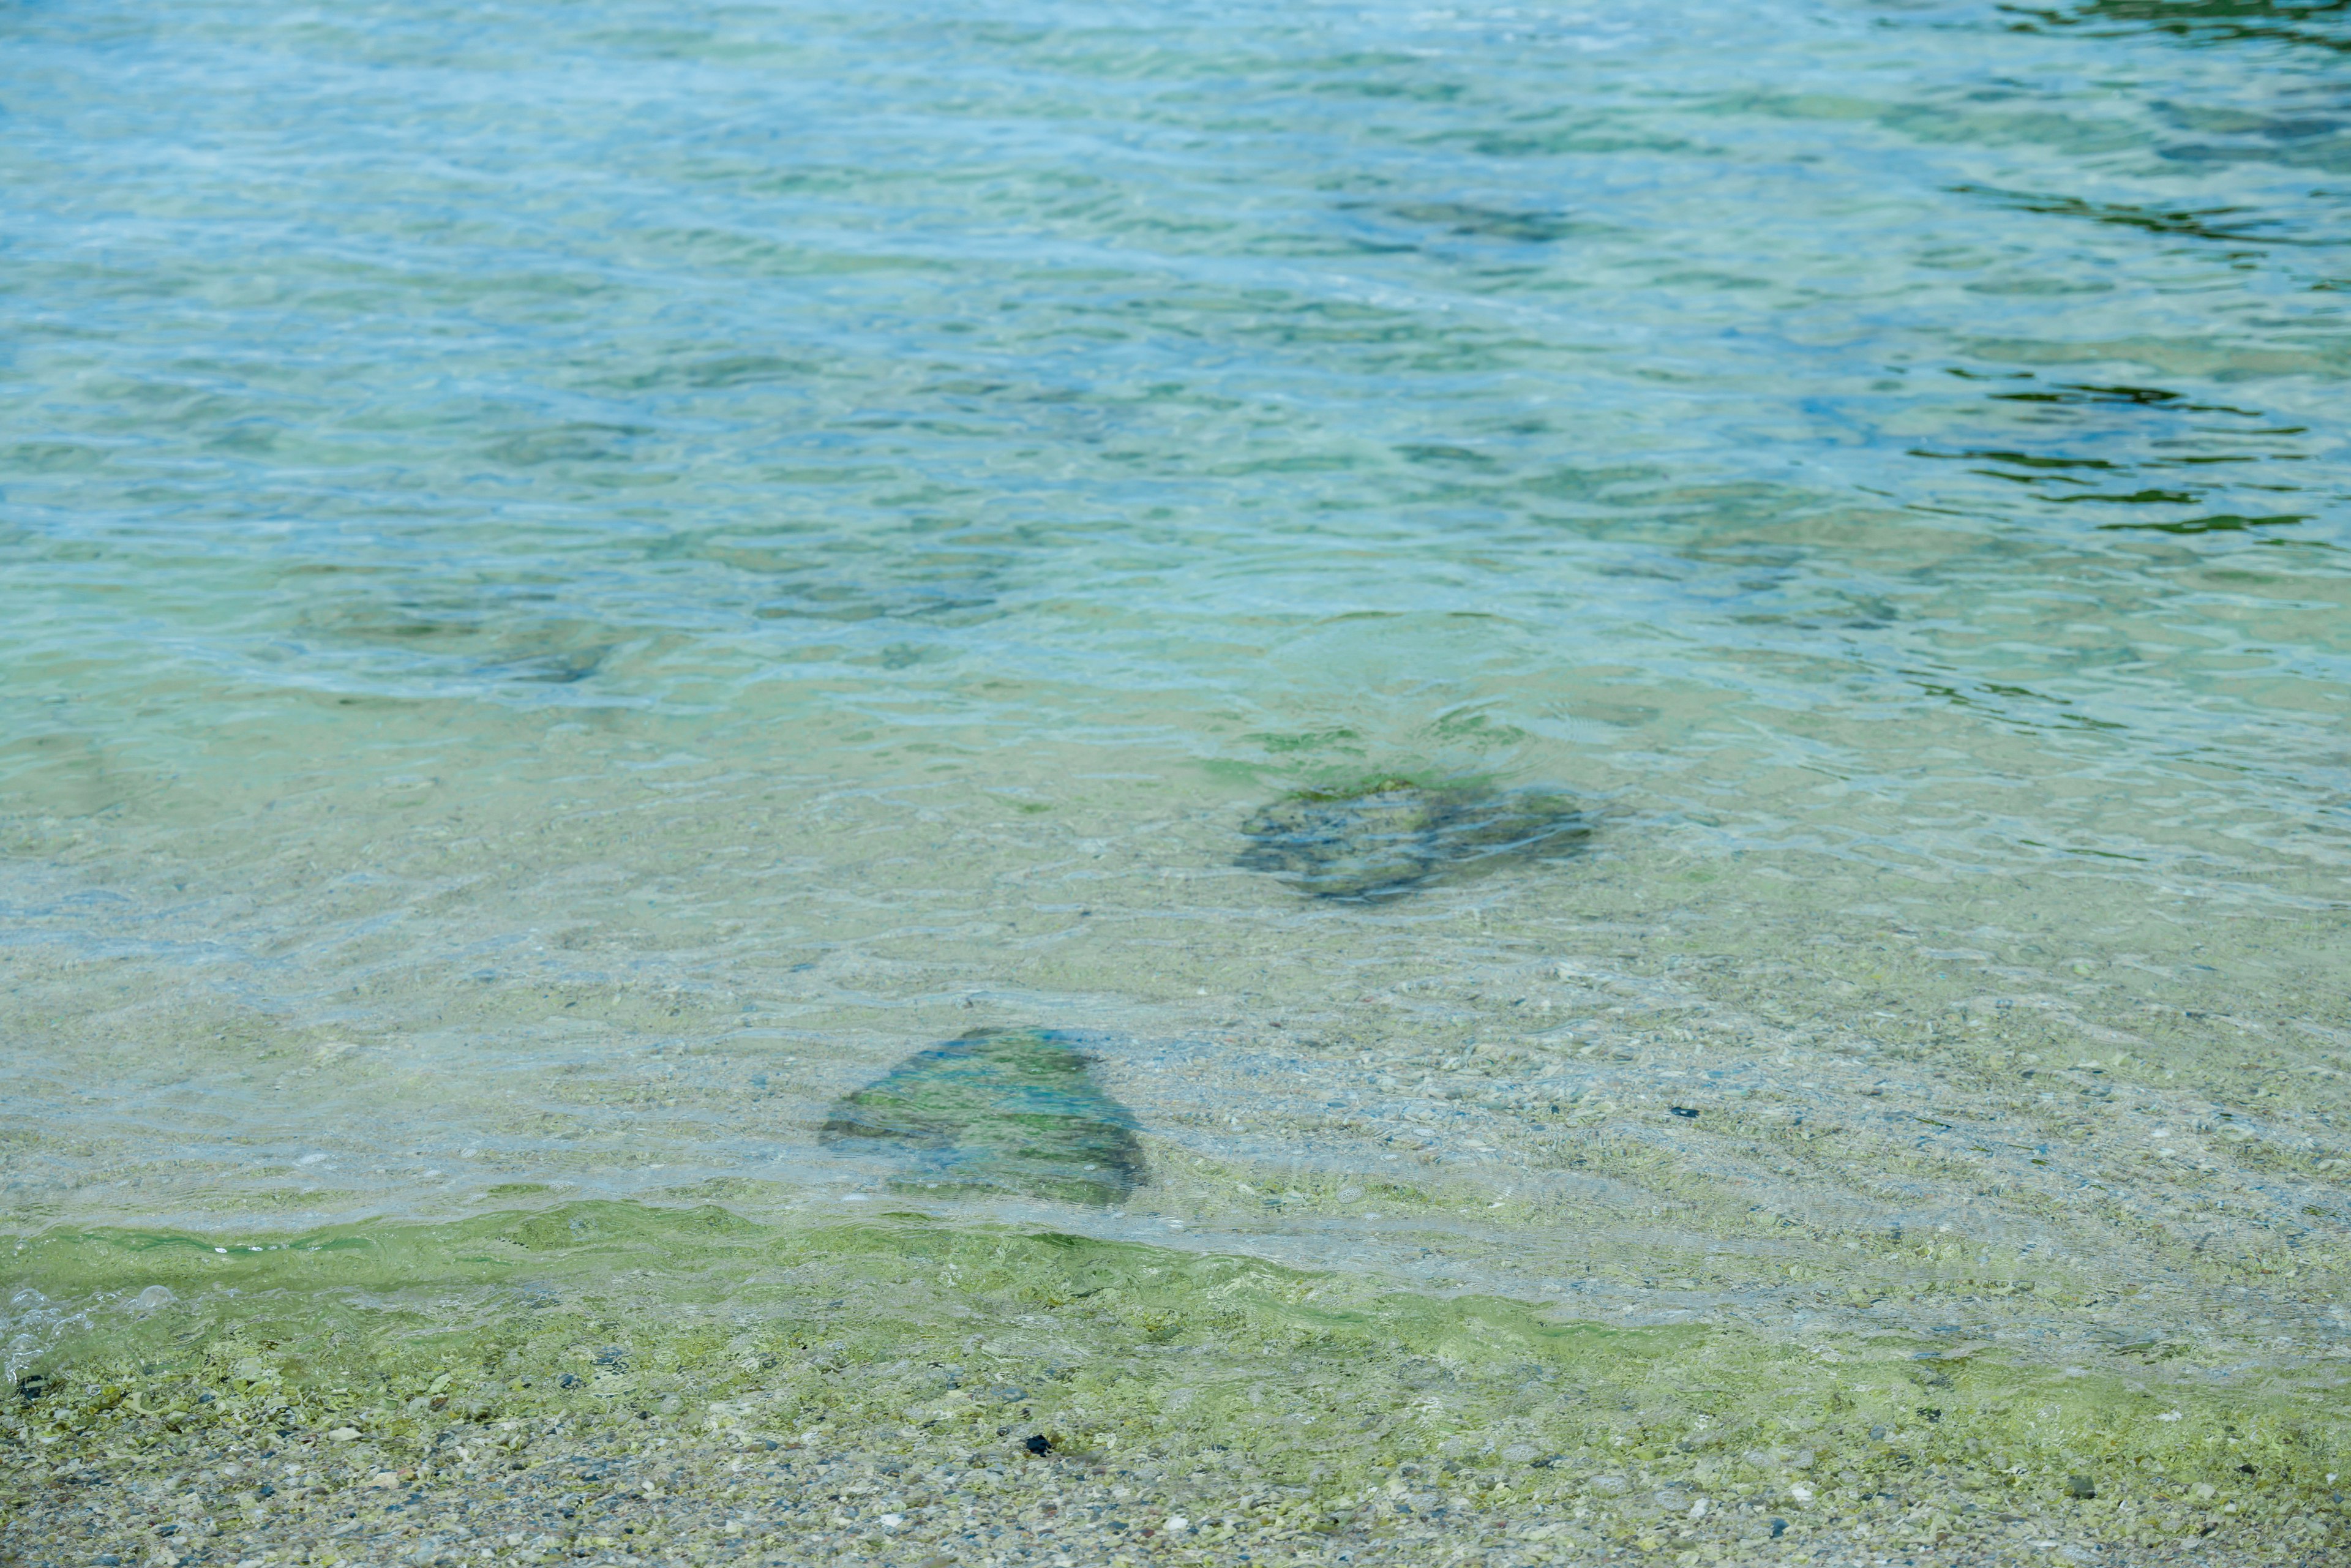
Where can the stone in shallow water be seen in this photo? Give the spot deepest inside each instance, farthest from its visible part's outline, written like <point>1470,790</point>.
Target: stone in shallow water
<point>1014,1109</point>
<point>1391,836</point>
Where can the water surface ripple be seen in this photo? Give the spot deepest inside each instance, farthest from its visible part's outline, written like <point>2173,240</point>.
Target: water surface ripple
<point>583,579</point>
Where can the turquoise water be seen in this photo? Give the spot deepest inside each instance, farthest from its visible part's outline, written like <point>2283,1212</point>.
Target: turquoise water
<point>583,579</point>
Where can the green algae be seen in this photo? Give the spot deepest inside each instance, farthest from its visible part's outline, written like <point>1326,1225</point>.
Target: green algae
<point>1388,836</point>
<point>1011,1109</point>
<point>902,1334</point>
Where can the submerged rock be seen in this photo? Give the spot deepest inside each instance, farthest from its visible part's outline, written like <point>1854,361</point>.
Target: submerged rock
<point>1391,836</point>
<point>1012,1109</point>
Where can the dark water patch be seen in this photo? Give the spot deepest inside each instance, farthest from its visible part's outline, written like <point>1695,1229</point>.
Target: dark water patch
<point>918,573</point>
<point>841,602</point>
<point>1431,452</point>
<point>2021,707</point>
<point>2036,462</point>
<point>704,369</point>
<point>2332,155</point>
<point>576,442</point>
<point>2215,525</point>
<point>1470,221</point>
<point>2137,499</point>
<point>1391,836</point>
<point>1309,740</point>
<point>1015,1109</point>
<point>499,637</point>
<point>2194,222</point>
<point>547,669</point>
<point>2324,24</point>
<point>2128,445</point>
<point>2073,395</point>
<point>2306,141</point>
<point>2232,122</point>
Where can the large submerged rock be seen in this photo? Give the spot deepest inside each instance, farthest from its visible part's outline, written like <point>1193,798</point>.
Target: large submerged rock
<point>1391,836</point>
<point>1015,1109</point>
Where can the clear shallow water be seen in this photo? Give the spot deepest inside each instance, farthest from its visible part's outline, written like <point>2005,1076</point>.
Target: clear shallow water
<point>583,581</point>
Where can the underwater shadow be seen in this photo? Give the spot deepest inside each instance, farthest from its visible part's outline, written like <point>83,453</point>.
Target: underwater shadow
<point>1391,836</point>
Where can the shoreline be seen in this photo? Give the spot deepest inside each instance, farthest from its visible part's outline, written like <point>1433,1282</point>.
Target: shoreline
<point>693,1386</point>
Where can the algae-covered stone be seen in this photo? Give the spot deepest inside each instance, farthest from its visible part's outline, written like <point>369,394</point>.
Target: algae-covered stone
<point>1016,1109</point>
<point>1391,836</point>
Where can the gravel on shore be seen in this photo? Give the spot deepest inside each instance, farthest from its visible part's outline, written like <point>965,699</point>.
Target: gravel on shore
<point>647,1487</point>
<point>640,1490</point>
<point>614,1384</point>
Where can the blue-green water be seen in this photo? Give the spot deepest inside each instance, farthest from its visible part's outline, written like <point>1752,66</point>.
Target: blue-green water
<point>582,580</point>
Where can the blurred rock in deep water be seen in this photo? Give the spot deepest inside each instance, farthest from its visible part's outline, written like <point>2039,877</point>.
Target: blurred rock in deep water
<point>1391,836</point>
